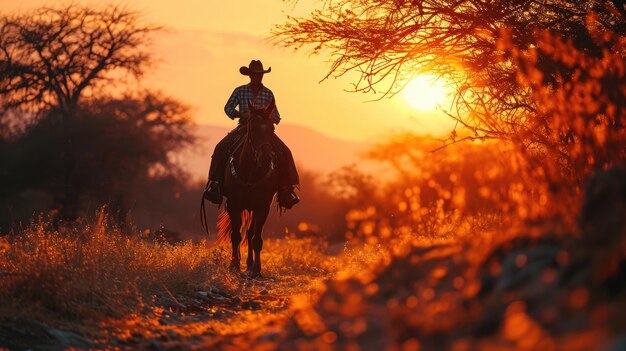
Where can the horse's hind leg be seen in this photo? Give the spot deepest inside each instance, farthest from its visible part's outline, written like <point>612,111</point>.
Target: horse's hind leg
<point>235,237</point>
<point>249,236</point>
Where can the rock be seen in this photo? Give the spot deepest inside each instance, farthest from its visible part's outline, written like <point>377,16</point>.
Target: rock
<point>172,334</point>
<point>616,284</point>
<point>270,336</point>
<point>154,345</point>
<point>223,314</point>
<point>521,266</point>
<point>218,314</point>
<point>21,334</point>
<point>619,344</point>
<point>215,294</point>
<point>170,314</point>
<point>603,214</point>
<point>489,322</point>
<point>251,305</point>
<point>203,293</point>
<point>487,283</point>
<point>264,292</point>
<point>168,318</point>
<point>166,302</point>
<point>575,274</point>
<point>69,339</point>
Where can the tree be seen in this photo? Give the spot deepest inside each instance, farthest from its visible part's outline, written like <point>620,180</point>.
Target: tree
<point>63,131</point>
<point>51,57</point>
<point>122,145</point>
<point>479,46</point>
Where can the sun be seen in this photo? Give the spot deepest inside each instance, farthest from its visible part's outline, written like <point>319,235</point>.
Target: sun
<point>425,92</point>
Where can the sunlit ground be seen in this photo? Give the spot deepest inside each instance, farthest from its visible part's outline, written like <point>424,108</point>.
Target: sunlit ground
<point>487,290</point>
<point>136,289</point>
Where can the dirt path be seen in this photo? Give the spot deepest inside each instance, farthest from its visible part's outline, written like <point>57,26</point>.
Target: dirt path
<point>254,312</point>
<point>206,318</point>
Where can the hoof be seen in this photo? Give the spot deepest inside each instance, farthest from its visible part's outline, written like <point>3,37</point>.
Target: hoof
<point>234,267</point>
<point>253,275</point>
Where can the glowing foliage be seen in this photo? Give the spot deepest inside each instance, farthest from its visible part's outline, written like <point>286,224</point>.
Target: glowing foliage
<point>581,115</point>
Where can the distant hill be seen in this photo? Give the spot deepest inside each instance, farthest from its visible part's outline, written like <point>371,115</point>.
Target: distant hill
<point>312,150</point>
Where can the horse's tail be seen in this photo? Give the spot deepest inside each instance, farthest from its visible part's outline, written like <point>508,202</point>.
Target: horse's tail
<point>246,220</point>
<point>225,226</point>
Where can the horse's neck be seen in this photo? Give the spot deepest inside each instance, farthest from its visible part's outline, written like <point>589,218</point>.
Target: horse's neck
<point>246,157</point>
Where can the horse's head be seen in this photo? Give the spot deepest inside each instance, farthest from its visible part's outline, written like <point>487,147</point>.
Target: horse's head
<point>260,131</point>
<point>261,115</point>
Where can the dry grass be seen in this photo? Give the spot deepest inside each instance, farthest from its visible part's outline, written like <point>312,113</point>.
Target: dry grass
<point>90,269</point>
<point>103,282</point>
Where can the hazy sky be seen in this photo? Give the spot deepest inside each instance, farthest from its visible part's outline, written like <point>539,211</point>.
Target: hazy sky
<point>206,41</point>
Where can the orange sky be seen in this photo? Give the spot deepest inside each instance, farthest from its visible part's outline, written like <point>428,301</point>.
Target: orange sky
<point>205,43</point>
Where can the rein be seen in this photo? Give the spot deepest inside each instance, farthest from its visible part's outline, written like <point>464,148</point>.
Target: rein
<point>203,220</point>
<point>257,155</point>
<point>267,175</point>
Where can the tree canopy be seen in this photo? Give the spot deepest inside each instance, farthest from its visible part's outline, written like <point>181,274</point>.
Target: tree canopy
<point>387,41</point>
<point>70,128</point>
<point>498,55</point>
<point>53,56</point>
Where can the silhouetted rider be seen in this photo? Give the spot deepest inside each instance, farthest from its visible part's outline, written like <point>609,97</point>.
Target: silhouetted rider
<point>259,96</point>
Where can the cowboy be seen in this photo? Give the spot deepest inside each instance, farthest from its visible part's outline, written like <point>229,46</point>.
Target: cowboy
<point>258,96</point>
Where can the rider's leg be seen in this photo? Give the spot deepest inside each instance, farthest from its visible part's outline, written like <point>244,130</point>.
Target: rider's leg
<point>216,171</point>
<point>218,160</point>
<point>288,175</point>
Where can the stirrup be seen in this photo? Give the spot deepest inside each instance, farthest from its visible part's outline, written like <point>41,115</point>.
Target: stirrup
<point>287,198</point>
<point>213,193</point>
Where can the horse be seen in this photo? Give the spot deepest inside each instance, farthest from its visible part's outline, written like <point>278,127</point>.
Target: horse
<point>250,183</point>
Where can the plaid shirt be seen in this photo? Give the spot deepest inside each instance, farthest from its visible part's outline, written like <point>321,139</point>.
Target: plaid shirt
<point>241,95</point>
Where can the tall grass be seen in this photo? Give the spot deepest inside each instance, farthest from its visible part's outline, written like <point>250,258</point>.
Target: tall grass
<point>90,269</point>
<point>93,269</point>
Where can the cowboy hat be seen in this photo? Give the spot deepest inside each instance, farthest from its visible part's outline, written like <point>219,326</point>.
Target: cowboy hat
<point>255,66</point>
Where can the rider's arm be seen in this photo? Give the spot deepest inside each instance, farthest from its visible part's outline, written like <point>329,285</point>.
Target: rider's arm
<point>275,114</point>
<point>232,102</point>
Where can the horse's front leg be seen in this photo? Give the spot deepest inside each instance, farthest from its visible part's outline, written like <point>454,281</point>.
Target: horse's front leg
<point>250,259</point>
<point>258,221</point>
<point>235,237</point>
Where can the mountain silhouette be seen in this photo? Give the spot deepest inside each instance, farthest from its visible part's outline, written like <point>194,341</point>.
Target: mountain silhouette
<point>312,150</point>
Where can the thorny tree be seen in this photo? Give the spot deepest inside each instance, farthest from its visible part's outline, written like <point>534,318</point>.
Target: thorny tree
<point>480,48</point>
<point>51,57</point>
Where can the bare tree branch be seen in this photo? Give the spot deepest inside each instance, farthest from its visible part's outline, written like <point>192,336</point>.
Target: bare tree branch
<point>49,57</point>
